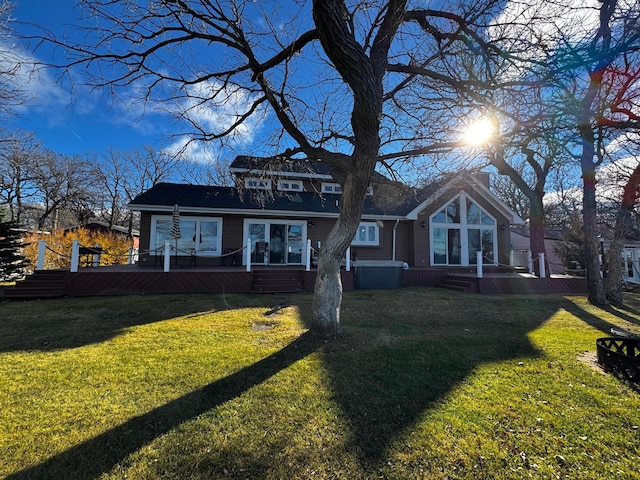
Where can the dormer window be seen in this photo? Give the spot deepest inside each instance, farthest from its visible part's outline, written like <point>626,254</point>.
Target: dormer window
<point>257,183</point>
<point>328,187</point>
<point>290,185</point>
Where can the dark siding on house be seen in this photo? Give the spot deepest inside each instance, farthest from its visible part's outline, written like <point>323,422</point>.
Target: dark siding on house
<point>232,232</point>
<point>421,240</point>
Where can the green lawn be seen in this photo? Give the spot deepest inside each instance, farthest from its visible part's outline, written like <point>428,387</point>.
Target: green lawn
<point>425,383</point>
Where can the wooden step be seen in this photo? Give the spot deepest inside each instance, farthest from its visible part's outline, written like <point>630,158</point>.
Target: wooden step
<point>460,284</point>
<point>277,281</point>
<point>40,284</point>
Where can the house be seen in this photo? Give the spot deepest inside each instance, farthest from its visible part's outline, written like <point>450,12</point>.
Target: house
<point>277,205</point>
<point>521,246</point>
<point>103,227</point>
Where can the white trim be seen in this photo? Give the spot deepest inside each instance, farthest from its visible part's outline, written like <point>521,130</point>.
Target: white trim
<point>260,183</point>
<point>495,202</point>
<point>197,236</point>
<point>287,185</point>
<point>367,243</point>
<point>268,223</point>
<point>331,187</point>
<point>463,227</point>
<point>277,173</point>
<point>253,211</point>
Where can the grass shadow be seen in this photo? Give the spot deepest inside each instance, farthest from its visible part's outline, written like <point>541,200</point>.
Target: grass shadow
<point>592,320</point>
<point>99,455</point>
<point>402,354</point>
<point>388,370</point>
<point>56,324</point>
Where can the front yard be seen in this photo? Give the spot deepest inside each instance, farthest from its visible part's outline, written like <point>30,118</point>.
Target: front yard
<point>425,383</point>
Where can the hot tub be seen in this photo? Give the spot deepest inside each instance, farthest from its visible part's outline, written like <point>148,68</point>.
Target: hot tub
<point>378,274</point>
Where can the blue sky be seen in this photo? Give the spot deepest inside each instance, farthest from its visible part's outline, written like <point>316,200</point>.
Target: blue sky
<point>80,122</point>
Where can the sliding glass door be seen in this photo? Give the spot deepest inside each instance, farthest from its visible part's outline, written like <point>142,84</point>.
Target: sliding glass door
<point>276,242</point>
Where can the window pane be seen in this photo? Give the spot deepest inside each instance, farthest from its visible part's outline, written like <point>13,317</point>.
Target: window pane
<point>453,211</point>
<point>372,234</point>
<point>486,219</point>
<point>439,246</point>
<point>453,246</point>
<point>474,245</point>
<point>294,244</point>
<point>362,233</point>
<point>163,227</point>
<point>187,241</point>
<point>473,213</point>
<point>208,237</point>
<point>487,246</point>
<point>440,217</point>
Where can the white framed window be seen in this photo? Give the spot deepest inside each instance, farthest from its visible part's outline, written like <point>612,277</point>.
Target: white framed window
<point>200,235</point>
<point>368,234</point>
<point>330,187</point>
<point>459,230</point>
<point>290,185</point>
<point>257,183</point>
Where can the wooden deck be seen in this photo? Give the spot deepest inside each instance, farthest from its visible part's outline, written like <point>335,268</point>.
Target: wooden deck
<point>134,280</point>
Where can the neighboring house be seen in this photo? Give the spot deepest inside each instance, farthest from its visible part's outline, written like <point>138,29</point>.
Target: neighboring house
<point>278,205</point>
<point>103,227</point>
<point>521,246</point>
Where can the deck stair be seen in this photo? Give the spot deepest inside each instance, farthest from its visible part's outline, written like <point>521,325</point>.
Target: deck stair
<point>277,281</point>
<point>40,284</point>
<point>460,283</point>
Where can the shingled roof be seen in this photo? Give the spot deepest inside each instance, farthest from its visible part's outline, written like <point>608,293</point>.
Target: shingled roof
<point>281,165</point>
<point>200,198</point>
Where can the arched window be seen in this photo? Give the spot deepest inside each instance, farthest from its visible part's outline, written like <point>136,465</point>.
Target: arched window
<point>459,230</point>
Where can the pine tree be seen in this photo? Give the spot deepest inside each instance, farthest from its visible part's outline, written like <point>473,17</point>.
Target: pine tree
<point>12,261</point>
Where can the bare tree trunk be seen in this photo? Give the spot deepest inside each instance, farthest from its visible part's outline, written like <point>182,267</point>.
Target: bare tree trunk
<point>536,232</point>
<point>595,286</point>
<point>363,73</point>
<point>328,288</point>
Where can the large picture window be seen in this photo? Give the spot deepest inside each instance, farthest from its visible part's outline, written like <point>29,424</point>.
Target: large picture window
<point>199,235</point>
<point>459,230</point>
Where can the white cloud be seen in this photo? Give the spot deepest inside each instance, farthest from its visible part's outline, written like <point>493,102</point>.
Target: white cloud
<point>40,89</point>
<point>187,148</point>
<point>546,23</point>
<point>215,108</point>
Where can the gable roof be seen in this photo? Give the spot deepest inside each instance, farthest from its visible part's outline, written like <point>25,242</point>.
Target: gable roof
<point>458,182</point>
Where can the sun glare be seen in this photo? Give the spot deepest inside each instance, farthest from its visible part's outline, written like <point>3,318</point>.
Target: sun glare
<point>478,132</point>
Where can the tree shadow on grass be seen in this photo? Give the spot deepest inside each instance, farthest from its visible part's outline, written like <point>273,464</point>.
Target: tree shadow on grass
<point>100,454</point>
<point>594,321</point>
<point>385,372</point>
<point>57,324</point>
<point>384,383</point>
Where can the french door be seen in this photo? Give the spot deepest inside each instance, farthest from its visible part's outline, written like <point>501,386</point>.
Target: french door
<point>276,242</point>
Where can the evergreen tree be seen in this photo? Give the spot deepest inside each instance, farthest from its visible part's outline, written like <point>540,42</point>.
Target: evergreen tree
<point>12,261</point>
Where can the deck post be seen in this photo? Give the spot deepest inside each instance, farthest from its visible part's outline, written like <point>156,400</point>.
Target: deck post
<point>348,259</point>
<point>130,257</point>
<point>479,262</point>
<point>42,250</point>
<point>248,254</point>
<point>529,261</point>
<point>167,256</point>
<point>308,263</point>
<point>543,272</point>
<point>75,255</point>
<point>511,254</point>
<point>96,256</point>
